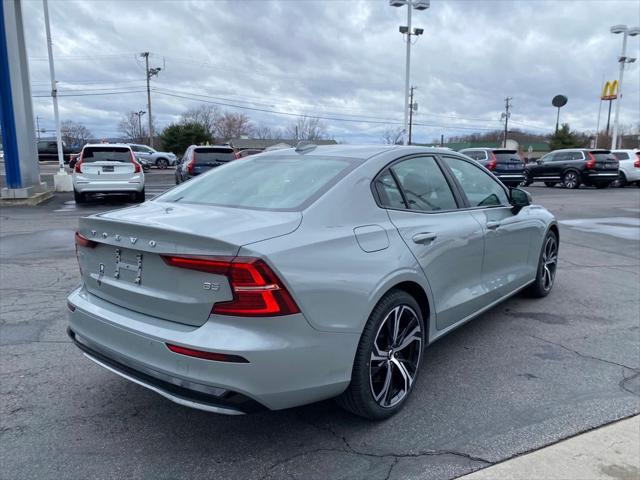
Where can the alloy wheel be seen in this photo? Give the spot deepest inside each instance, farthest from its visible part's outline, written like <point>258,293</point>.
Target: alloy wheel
<point>395,356</point>
<point>549,262</point>
<point>570,180</point>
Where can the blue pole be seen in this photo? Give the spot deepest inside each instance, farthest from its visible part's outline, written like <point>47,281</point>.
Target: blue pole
<point>7,119</point>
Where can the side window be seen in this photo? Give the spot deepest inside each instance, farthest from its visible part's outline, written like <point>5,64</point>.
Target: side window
<point>471,154</point>
<point>481,189</point>
<point>424,185</point>
<point>548,158</point>
<point>481,155</point>
<point>562,157</point>
<point>388,191</point>
<point>135,148</point>
<point>576,156</point>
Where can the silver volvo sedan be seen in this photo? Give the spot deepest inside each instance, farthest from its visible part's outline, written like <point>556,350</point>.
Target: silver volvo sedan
<point>304,274</point>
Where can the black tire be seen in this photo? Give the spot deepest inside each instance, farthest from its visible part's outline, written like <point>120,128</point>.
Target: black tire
<point>138,197</point>
<point>621,182</point>
<point>602,185</point>
<point>79,197</point>
<point>527,179</point>
<point>541,287</point>
<point>162,163</point>
<point>550,184</point>
<point>571,179</point>
<point>359,395</point>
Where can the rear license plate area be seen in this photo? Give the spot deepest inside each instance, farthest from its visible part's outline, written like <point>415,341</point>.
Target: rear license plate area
<point>108,168</point>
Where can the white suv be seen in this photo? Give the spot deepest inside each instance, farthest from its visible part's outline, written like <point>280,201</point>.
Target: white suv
<point>107,168</point>
<point>629,166</point>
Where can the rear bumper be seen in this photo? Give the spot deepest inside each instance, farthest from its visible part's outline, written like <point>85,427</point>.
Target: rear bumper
<point>510,178</point>
<point>290,363</point>
<point>84,185</point>
<point>599,177</point>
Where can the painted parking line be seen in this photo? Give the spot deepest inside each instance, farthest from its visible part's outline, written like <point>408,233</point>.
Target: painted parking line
<point>627,228</point>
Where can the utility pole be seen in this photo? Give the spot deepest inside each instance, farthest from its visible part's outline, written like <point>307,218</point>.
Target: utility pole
<point>139,114</point>
<point>505,116</point>
<point>412,107</point>
<point>38,126</point>
<point>150,73</point>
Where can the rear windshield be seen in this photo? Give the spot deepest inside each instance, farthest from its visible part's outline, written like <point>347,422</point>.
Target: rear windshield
<point>267,183</point>
<point>603,155</point>
<point>621,155</point>
<point>106,154</point>
<point>506,155</point>
<point>204,155</point>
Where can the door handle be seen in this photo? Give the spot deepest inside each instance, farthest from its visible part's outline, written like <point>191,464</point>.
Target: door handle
<point>493,225</point>
<point>424,238</point>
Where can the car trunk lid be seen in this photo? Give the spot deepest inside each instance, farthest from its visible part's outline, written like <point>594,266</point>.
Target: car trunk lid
<point>604,160</point>
<point>508,160</point>
<point>125,267</point>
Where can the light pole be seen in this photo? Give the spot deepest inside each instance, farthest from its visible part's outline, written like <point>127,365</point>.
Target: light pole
<point>626,31</point>
<point>406,30</point>
<point>139,115</point>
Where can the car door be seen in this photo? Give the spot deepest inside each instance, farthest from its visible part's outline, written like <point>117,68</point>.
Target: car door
<point>506,264</point>
<point>446,241</point>
<point>561,161</point>
<point>537,169</point>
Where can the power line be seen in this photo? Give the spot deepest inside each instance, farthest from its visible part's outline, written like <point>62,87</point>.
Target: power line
<point>89,94</point>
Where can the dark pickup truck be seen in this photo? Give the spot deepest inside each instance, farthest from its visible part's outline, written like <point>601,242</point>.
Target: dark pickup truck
<point>48,150</point>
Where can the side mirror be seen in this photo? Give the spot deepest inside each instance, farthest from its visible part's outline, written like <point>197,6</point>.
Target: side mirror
<point>519,199</point>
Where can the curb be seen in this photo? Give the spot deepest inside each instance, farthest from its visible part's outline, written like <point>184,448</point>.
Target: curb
<point>32,201</point>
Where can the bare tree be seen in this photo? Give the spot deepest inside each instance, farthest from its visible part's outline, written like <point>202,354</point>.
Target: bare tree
<point>307,128</point>
<point>392,136</point>
<point>206,115</point>
<point>135,129</point>
<point>233,125</point>
<point>263,132</point>
<point>74,133</point>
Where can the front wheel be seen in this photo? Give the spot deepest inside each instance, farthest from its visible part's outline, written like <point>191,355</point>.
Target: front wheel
<point>547,265</point>
<point>388,358</point>
<point>162,163</point>
<point>621,182</point>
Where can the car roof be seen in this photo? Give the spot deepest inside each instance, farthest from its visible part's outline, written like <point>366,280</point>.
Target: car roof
<point>361,152</point>
<point>123,145</point>
<point>213,146</point>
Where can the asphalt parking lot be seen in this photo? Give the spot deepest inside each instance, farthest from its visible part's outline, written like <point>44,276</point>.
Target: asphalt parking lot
<point>523,375</point>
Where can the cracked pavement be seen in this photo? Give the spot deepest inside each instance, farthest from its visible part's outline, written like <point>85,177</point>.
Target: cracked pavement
<point>521,376</point>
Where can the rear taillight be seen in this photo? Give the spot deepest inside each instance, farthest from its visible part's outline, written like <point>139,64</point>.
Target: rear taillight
<point>257,291</point>
<point>218,357</point>
<point>591,163</point>
<point>191,163</point>
<point>493,162</point>
<point>136,166</point>
<point>636,164</point>
<point>78,164</point>
<point>82,241</point>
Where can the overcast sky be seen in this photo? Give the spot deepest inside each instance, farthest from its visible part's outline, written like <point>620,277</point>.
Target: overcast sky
<point>342,59</point>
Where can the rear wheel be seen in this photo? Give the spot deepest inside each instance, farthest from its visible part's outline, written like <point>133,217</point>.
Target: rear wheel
<point>620,182</point>
<point>138,197</point>
<point>79,197</point>
<point>162,163</point>
<point>550,184</point>
<point>547,265</point>
<point>571,179</point>
<point>387,359</point>
<point>527,179</point>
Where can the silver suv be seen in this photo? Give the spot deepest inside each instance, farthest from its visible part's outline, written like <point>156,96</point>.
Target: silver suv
<point>152,156</point>
<point>107,168</point>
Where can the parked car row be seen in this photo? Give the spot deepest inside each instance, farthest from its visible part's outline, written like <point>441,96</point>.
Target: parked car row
<point>570,168</point>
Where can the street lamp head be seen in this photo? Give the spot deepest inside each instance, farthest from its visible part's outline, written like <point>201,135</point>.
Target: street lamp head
<point>421,4</point>
<point>618,29</point>
<point>418,31</point>
<point>633,31</point>
<point>404,29</point>
<point>397,3</point>
<point>630,60</point>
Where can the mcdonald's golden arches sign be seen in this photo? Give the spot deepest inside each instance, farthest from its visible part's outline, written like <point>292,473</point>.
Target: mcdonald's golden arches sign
<point>610,90</point>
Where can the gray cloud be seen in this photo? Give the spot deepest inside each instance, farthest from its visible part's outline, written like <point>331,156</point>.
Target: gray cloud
<point>336,59</point>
